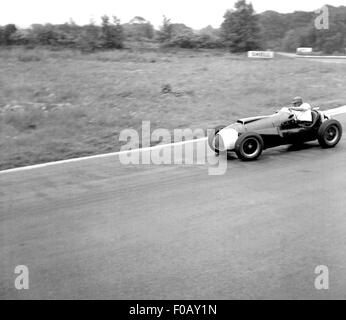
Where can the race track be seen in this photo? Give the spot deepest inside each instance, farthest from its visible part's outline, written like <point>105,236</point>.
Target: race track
<point>100,229</point>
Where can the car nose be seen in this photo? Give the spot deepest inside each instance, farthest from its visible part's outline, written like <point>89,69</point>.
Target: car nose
<point>219,143</point>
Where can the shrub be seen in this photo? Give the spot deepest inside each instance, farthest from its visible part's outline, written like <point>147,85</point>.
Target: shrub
<point>29,56</point>
<point>23,119</point>
<point>90,39</point>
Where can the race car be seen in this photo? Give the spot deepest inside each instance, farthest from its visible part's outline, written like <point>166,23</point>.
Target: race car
<point>250,136</point>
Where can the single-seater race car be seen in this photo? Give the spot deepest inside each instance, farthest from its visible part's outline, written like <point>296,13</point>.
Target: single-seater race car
<point>249,137</point>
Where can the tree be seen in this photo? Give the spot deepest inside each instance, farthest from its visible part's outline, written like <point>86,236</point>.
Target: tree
<point>111,33</point>
<point>273,29</point>
<point>334,44</point>
<point>44,34</point>
<point>6,34</point>
<point>138,20</point>
<point>291,41</point>
<point>2,38</point>
<point>89,38</point>
<point>182,36</point>
<point>138,28</point>
<point>240,29</point>
<point>165,33</point>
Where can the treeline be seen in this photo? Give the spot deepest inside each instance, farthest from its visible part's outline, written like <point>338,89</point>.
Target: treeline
<point>110,34</point>
<point>288,31</point>
<point>241,30</point>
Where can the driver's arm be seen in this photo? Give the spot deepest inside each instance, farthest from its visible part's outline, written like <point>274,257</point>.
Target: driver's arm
<point>303,107</point>
<point>298,108</point>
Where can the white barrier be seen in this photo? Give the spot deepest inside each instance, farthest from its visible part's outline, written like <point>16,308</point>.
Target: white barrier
<point>304,50</point>
<point>261,54</point>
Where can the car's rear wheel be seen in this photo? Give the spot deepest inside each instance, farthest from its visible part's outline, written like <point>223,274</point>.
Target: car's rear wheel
<point>213,143</point>
<point>249,146</point>
<point>329,133</point>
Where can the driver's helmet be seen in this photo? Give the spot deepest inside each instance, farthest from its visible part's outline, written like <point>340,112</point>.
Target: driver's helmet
<point>297,101</point>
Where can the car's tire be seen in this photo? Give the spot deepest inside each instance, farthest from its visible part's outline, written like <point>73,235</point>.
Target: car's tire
<point>329,133</point>
<point>211,138</point>
<point>249,146</point>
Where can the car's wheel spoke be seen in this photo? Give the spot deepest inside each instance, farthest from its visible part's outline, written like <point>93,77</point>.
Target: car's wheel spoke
<point>250,147</point>
<point>332,134</point>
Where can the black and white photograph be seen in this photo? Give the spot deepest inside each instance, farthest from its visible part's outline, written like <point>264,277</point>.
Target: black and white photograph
<point>164,150</point>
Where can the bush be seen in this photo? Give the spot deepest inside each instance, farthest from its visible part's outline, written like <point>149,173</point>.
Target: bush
<point>23,119</point>
<point>209,42</point>
<point>29,57</point>
<point>90,39</point>
<point>6,33</point>
<point>184,41</point>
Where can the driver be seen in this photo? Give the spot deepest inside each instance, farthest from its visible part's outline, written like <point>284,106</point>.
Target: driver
<point>302,111</point>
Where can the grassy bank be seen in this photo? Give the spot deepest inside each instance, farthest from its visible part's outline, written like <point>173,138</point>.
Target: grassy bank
<point>59,105</point>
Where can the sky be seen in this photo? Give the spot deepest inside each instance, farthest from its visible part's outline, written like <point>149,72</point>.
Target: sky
<point>194,13</point>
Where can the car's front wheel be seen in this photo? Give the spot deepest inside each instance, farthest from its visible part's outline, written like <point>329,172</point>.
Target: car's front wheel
<point>249,146</point>
<point>329,133</point>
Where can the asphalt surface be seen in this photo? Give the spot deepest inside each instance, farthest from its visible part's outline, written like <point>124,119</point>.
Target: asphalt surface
<point>100,229</point>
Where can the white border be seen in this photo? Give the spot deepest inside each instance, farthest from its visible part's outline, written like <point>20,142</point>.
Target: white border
<point>105,155</point>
